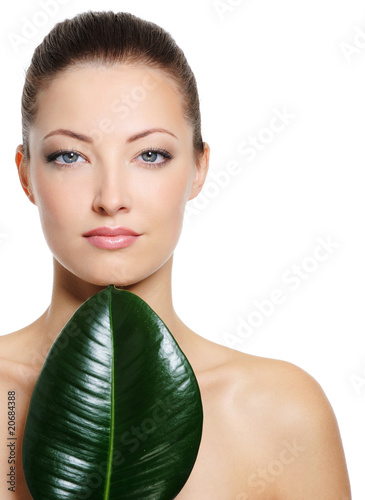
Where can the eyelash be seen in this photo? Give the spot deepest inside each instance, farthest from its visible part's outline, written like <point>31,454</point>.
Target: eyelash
<point>51,158</point>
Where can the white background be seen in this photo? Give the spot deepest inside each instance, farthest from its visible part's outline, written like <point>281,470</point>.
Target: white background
<point>252,60</point>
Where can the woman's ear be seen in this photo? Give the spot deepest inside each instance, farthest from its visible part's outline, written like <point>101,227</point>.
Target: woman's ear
<point>201,172</point>
<point>23,172</point>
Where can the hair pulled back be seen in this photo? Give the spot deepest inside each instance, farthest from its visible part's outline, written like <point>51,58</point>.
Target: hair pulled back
<point>107,38</point>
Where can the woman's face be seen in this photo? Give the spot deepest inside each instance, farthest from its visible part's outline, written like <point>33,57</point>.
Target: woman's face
<point>111,148</point>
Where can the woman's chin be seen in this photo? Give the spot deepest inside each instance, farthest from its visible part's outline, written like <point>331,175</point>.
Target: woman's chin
<point>121,274</point>
<point>120,280</point>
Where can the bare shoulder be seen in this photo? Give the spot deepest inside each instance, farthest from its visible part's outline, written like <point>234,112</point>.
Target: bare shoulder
<point>23,347</point>
<point>291,397</point>
<point>283,387</point>
<point>284,430</point>
<point>17,378</point>
<point>19,365</point>
<point>260,381</point>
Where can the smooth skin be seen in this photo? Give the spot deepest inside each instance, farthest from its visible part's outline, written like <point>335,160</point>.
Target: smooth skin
<point>269,430</point>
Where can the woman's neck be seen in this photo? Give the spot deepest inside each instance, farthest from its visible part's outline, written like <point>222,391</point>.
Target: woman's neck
<point>70,292</point>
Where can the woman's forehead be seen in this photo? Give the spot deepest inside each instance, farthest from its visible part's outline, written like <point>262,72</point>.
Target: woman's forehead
<point>111,103</point>
<point>119,96</point>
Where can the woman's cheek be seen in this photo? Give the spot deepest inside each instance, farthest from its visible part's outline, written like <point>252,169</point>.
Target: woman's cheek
<point>58,208</point>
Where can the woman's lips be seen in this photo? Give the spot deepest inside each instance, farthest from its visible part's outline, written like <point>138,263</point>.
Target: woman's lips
<point>112,242</point>
<point>111,237</point>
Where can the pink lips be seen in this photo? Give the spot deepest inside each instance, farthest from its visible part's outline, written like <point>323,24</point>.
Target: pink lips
<point>111,237</point>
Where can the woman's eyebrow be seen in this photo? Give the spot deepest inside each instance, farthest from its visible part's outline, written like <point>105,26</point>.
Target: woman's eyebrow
<point>86,138</point>
<point>148,132</point>
<point>70,133</point>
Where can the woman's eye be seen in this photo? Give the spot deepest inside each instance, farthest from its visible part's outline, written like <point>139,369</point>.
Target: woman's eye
<point>150,156</point>
<point>65,157</point>
<point>155,157</point>
<point>70,157</point>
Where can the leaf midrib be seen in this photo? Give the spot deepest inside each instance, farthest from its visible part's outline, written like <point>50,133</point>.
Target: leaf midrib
<point>112,402</point>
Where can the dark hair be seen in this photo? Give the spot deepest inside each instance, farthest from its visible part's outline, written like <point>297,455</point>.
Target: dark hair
<point>107,38</point>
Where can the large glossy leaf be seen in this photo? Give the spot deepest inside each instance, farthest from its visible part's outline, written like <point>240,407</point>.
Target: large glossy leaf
<point>116,411</point>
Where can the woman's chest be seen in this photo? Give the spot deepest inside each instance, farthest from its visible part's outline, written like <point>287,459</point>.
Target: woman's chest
<point>219,472</point>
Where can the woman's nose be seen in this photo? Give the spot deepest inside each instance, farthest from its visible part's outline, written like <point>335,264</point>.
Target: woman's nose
<point>112,191</point>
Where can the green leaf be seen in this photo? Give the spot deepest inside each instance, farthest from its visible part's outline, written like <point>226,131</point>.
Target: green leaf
<point>116,411</point>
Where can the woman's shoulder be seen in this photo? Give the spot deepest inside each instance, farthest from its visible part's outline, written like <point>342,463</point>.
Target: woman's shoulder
<point>284,416</point>
<point>17,379</point>
<point>264,386</point>
<point>277,381</point>
<point>19,367</point>
<point>274,380</point>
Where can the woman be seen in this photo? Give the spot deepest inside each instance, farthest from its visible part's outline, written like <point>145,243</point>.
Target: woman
<point>112,151</point>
